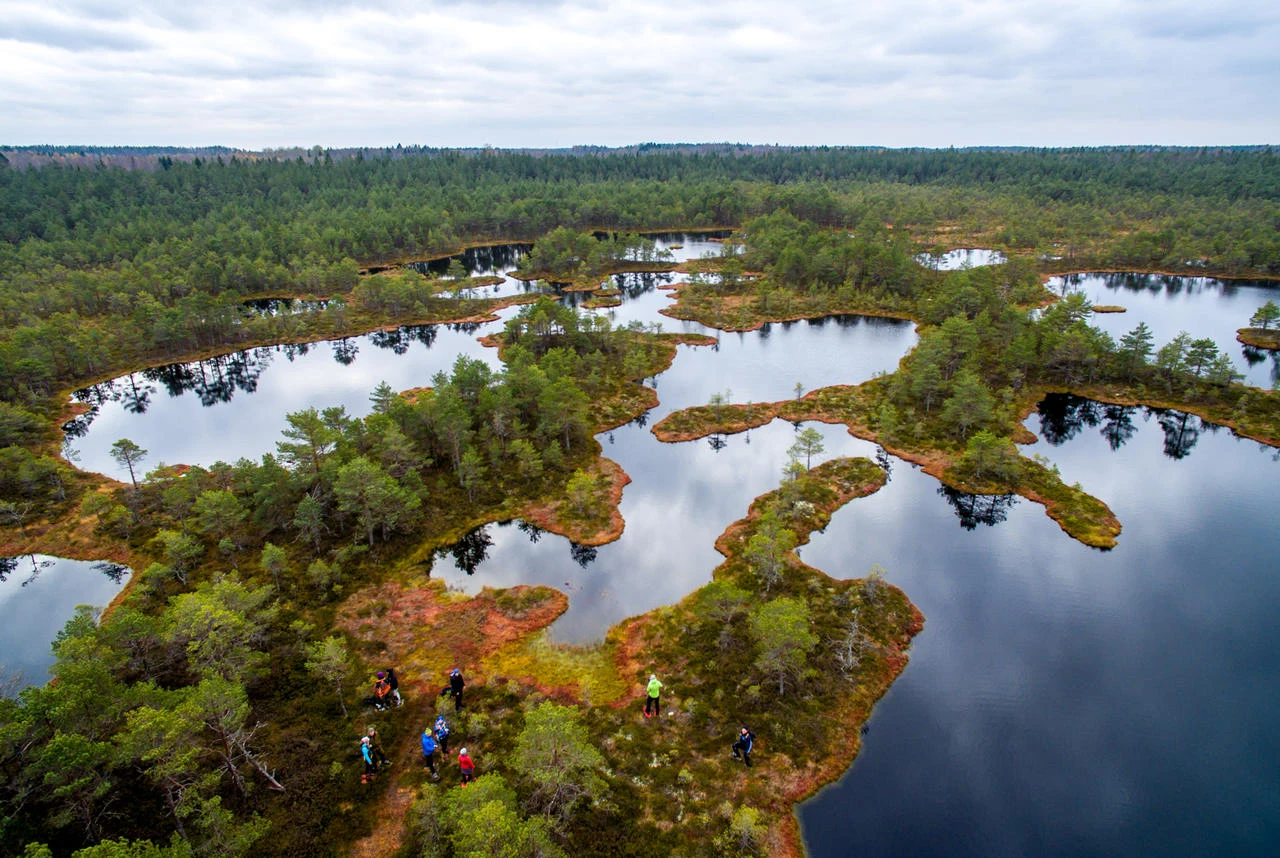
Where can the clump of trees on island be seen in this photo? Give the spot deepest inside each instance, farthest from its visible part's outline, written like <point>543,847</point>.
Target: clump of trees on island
<point>214,709</point>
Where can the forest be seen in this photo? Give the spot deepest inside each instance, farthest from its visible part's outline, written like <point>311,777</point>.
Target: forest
<point>202,713</point>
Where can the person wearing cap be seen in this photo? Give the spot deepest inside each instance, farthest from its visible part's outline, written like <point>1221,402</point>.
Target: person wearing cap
<point>455,688</point>
<point>429,752</point>
<point>382,690</point>
<point>366,754</point>
<point>653,690</point>
<point>376,743</point>
<point>467,767</point>
<point>442,735</point>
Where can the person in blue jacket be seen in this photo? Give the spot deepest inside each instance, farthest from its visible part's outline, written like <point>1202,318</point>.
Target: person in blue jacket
<point>366,753</point>
<point>429,752</point>
<point>442,735</point>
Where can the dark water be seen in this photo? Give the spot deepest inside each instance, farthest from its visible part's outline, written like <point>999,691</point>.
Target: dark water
<point>1201,306</point>
<point>38,594</point>
<point>1068,701</point>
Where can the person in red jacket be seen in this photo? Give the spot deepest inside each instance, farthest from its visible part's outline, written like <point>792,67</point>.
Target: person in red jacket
<point>467,766</point>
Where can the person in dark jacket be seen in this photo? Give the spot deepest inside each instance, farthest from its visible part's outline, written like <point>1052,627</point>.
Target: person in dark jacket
<point>393,682</point>
<point>429,752</point>
<point>743,747</point>
<point>454,687</point>
<point>376,744</point>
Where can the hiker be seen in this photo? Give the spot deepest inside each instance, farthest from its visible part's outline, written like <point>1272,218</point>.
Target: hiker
<point>366,754</point>
<point>381,691</point>
<point>376,744</point>
<point>393,682</point>
<point>442,734</point>
<point>455,688</point>
<point>654,689</point>
<point>468,768</point>
<point>746,741</point>
<point>429,752</point>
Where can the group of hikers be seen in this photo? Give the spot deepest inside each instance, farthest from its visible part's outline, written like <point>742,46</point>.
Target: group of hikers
<point>436,737</point>
<point>386,693</point>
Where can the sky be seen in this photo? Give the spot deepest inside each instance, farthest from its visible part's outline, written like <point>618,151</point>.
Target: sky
<point>542,73</point>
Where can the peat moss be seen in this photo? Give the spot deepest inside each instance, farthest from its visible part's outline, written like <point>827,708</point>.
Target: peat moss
<point>1259,338</point>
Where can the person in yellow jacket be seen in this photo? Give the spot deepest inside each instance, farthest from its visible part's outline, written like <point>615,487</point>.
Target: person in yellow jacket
<point>651,706</point>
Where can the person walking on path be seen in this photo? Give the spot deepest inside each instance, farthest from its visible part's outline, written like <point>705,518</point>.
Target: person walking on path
<point>376,743</point>
<point>429,752</point>
<point>653,690</point>
<point>381,690</point>
<point>442,735</point>
<point>366,754</point>
<point>393,682</point>
<point>454,687</point>
<point>467,766</point>
<point>746,742</point>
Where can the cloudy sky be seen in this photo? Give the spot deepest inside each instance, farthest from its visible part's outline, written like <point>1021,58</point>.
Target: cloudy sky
<point>612,72</point>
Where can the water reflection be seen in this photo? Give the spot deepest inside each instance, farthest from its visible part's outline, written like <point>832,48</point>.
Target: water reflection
<point>223,420</point>
<point>1201,306</point>
<point>973,510</point>
<point>962,257</point>
<point>1067,701</point>
<point>38,594</point>
<point>469,551</point>
<point>489,261</point>
<point>1062,417</point>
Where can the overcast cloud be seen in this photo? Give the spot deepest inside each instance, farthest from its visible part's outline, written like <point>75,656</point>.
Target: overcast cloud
<point>548,73</point>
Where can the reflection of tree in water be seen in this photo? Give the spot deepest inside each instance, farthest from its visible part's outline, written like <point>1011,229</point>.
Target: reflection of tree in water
<point>530,530</point>
<point>973,510</point>
<point>295,350</point>
<point>114,571</point>
<point>1252,355</point>
<point>214,380</point>
<point>345,350</point>
<point>477,261</point>
<point>1117,425</point>
<point>394,340</point>
<point>78,426</point>
<point>885,462</point>
<point>583,555</point>
<point>1062,416</point>
<point>634,284</point>
<point>640,421</point>
<point>471,550</point>
<point>1181,432</point>
<point>717,442</point>
<point>9,566</point>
